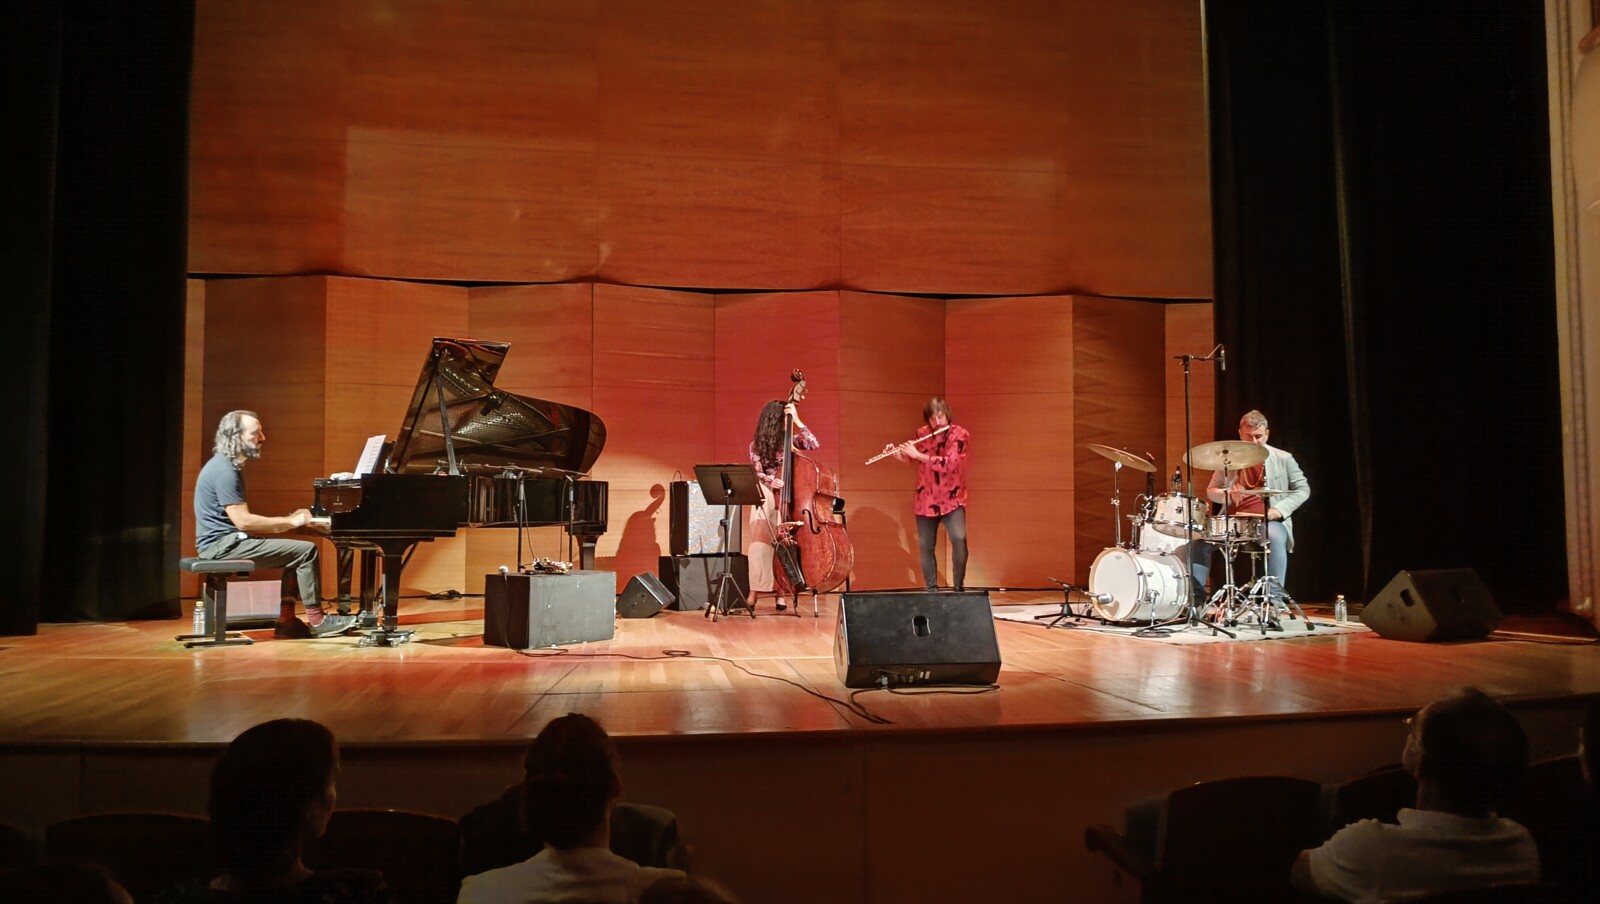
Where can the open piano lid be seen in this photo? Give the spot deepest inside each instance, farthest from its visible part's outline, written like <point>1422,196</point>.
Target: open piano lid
<point>489,427</point>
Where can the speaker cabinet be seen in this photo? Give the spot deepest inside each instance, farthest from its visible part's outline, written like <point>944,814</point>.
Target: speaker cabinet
<point>915,638</point>
<point>644,596</point>
<point>690,578</point>
<point>1442,604</point>
<point>526,611</point>
<point>695,528</point>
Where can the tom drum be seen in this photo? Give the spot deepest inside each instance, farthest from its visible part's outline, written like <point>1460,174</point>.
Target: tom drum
<point>1176,514</point>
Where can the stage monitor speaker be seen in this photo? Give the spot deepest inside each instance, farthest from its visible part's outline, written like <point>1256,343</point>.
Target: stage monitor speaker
<point>644,596</point>
<point>1441,604</point>
<point>527,611</point>
<point>695,527</point>
<point>690,578</point>
<point>915,638</point>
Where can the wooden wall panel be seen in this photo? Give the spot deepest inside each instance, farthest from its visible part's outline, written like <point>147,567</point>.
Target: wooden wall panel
<point>1189,332</point>
<point>266,138</point>
<point>888,146</point>
<point>719,223</point>
<point>197,435</point>
<point>760,339</point>
<point>654,379</point>
<point>925,229</point>
<point>1120,401</point>
<point>551,331</point>
<point>266,350</point>
<point>891,361</point>
<point>485,71</point>
<point>717,81</point>
<point>1008,375</point>
<point>464,208</point>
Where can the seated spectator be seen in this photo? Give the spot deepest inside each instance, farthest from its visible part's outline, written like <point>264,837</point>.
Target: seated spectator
<point>495,835</point>
<point>60,884</point>
<point>271,795</point>
<point>1466,752</point>
<point>570,789</point>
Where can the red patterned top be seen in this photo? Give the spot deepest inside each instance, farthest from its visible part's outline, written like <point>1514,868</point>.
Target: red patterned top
<point>767,471</point>
<point>942,479</point>
<point>1251,478</point>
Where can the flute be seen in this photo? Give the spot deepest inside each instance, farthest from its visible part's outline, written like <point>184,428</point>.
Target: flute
<point>890,450</point>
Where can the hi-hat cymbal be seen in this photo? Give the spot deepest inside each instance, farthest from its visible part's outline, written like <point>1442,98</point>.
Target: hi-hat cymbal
<point>1124,457</point>
<point>1232,454</point>
<point>1262,491</point>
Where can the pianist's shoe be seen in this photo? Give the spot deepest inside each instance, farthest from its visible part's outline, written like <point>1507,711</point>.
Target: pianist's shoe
<point>291,629</point>
<point>329,625</point>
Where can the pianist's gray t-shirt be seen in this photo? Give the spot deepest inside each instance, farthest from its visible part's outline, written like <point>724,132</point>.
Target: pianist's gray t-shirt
<point>220,485</point>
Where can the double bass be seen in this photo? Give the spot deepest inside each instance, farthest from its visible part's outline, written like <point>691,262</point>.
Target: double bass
<point>814,552</point>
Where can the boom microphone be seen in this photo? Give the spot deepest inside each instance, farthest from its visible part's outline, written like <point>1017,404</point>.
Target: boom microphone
<point>1222,357</point>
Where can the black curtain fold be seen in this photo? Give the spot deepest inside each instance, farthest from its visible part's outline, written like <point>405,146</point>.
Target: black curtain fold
<point>108,175</point>
<point>1385,281</point>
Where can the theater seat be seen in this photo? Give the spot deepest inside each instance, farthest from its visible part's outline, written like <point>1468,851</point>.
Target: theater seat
<point>1227,840</point>
<point>144,852</point>
<point>416,852</point>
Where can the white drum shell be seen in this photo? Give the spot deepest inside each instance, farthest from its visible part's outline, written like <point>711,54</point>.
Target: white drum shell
<point>1176,513</point>
<point>1140,585</point>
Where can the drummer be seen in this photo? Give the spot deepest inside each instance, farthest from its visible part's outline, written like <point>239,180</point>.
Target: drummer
<point>1271,490</point>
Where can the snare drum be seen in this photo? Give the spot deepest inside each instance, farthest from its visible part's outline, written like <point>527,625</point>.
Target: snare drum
<point>1176,514</point>
<point>1137,586</point>
<point>1243,527</point>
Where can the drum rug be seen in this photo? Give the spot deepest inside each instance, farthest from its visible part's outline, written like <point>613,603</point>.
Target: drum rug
<point>1179,633</point>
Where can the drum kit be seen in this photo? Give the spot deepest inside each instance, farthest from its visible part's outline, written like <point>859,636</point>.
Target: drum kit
<point>1146,579</point>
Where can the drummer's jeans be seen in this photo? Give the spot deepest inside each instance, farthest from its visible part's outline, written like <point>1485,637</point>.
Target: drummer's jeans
<point>1277,559</point>
<point>955,527</point>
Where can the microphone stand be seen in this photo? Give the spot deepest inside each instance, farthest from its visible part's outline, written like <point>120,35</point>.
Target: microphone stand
<point>1194,616</point>
<point>1056,621</point>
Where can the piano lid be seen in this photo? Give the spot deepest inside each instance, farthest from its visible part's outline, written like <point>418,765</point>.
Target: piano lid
<point>488,427</point>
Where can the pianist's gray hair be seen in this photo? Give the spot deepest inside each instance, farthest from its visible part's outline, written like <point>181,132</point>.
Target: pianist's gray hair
<point>229,441</point>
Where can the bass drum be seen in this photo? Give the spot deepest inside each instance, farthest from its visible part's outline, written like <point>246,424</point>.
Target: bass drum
<point>1128,585</point>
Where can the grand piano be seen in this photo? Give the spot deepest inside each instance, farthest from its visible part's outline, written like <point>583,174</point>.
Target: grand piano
<point>467,455</point>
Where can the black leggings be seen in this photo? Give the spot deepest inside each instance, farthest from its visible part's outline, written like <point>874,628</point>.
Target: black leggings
<point>955,527</point>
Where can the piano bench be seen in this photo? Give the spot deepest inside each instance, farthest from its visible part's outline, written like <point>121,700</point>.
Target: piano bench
<point>215,573</point>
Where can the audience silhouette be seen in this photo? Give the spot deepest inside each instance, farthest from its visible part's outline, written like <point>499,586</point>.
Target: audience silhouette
<point>271,795</point>
<point>570,789</point>
<point>1466,753</point>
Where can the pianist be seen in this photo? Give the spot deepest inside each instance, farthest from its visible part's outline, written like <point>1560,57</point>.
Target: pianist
<point>225,527</point>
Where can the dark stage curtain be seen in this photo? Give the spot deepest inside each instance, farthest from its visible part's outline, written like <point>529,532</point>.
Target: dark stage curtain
<point>1385,282</point>
<point>102,378</point>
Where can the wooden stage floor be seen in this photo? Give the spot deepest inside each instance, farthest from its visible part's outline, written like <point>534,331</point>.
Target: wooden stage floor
<point>741,727</point>
<point>678,673</point>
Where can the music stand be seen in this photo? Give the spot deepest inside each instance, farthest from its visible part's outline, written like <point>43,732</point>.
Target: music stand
<point>727,486</point>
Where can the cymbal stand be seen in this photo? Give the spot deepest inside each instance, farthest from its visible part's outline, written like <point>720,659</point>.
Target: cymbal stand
<point>1116,502</point>
<point>1227,599</point>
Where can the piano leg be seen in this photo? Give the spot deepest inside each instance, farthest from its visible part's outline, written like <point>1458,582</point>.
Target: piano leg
<point>390,634</point>
<point>586,545</point>
<point>346,570</point>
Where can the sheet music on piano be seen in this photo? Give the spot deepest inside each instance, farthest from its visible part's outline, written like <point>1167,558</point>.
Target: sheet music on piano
<point>369,454</point>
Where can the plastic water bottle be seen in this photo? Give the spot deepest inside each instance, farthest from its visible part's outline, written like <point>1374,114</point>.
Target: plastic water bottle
<point>200,616</point>
<point>1341,614</point>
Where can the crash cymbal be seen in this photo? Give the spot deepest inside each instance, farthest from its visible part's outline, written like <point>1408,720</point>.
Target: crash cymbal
<point>1232,454</point>
<point>1126,458</point>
